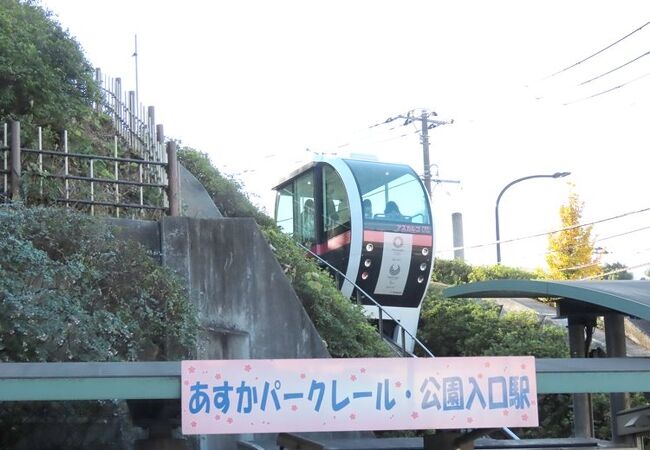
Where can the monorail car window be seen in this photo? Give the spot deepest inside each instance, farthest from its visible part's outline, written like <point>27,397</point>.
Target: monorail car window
<point>304,198</point>
<point>284,208</point>
<point>336,206</point>
<point>383,186</point>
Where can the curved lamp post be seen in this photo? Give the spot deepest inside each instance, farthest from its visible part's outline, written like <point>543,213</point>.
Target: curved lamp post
<point>496,209</point>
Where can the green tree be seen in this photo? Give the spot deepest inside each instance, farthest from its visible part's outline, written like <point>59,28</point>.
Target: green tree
<point>571,251</point>
<point>45,78</point>
<point>619,272</point>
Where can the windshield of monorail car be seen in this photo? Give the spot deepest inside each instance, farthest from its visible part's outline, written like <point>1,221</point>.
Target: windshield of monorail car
<point>390,193</point>
<point>284,208</point>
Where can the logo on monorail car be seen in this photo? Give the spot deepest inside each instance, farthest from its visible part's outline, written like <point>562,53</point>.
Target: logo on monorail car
<point>420,229</point>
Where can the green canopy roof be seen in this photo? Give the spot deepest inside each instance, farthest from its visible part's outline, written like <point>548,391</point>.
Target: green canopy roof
<point>625,296</point>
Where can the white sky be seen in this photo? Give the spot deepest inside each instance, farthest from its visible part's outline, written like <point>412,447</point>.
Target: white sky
<point>255,83</point>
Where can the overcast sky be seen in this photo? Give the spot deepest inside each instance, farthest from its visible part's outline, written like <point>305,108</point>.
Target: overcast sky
<point>256,83</point>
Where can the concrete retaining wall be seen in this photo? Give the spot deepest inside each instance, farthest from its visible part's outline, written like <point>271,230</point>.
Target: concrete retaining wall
<point>246,304</point>
<point>245,301</point>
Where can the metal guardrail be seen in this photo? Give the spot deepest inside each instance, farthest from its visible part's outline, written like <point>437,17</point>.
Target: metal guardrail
<point>403,331</point>
<point>162,379</point>
<point>380,309</point>
<point>166,185</point>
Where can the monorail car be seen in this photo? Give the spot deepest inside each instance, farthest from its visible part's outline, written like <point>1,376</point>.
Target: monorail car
<point>372,222</point>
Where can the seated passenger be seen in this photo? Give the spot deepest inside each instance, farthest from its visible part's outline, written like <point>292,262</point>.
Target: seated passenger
<point>367,209</point>
<point>307,219</point>
<point>392,211</point>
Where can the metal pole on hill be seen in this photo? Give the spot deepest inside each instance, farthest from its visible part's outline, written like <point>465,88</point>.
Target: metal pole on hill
<point>14,176</point>
<point>135,55</point>
<point>173,180</point>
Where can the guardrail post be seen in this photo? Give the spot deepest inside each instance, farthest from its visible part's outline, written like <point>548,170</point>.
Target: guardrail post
<point>15,161</point>
<point>99,81</point>
<point>132,114</point>
<point>173,181</point>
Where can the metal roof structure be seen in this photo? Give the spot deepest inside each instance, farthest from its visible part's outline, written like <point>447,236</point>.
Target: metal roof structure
<point>623,296</point>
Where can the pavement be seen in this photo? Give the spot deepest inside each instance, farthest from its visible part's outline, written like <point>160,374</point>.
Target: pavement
<point>636,330</point>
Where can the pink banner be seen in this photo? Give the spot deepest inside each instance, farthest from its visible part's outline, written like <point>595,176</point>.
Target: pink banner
<point>301,395</point>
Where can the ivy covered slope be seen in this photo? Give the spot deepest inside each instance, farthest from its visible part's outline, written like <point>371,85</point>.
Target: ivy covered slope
<point>69,291</point>
<point>340,323</point>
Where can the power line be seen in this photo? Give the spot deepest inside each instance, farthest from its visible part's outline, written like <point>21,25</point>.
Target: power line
<point>616,271</point>
<point>621,234</point>
<point>607,90</point>
<point>572,227</point>
<point>598,52</point>
<point>625,233</point>
<point>615,69</point>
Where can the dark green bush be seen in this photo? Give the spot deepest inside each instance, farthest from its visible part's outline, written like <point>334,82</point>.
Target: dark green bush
<point>69,291</point>
<point>455,271</point>
<point>451,271</point>
<point>499,272</point>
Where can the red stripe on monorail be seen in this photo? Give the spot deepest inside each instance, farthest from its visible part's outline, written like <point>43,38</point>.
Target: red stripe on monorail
<point>419,240</point>
<point>333,244</point>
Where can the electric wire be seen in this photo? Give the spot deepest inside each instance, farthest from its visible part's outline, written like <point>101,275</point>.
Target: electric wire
<point>571,227</point>
<point>596,263</point>
<point>598,52</point>
<point>607,90</point>
<point>615,271</point>
<point>625,233</point>
<point>614,69</point>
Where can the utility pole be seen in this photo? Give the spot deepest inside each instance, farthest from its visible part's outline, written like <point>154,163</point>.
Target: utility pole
<point>425,152</point>
<point>426,123</point>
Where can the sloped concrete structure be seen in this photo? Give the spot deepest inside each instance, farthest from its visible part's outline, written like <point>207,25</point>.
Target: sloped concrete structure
<point>246,304</point>
<point>247,307</point>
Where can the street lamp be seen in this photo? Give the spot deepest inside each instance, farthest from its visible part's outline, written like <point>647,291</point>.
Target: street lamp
<point>496,209</point>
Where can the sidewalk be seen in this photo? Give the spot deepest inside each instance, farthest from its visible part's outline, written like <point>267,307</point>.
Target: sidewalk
<point>638,340</point>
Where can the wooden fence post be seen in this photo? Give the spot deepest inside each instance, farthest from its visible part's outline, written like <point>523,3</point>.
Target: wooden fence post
<point>173,181</point>
<point>15,161</point>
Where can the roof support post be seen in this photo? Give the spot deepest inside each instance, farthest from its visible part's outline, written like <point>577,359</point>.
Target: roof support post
<point>615,342</point>
<point>582,413</point>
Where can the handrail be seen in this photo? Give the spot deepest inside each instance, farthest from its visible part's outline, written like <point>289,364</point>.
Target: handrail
<point>369,297</point>
<point>506,430</point>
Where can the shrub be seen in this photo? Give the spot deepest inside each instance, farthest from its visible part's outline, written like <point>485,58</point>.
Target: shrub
<point>451,271</point>
<point>69,291</point>
<point>500,272</point>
